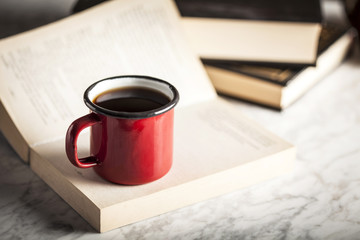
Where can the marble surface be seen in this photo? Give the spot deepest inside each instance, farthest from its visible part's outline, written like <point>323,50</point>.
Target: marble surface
<point>319,200</point>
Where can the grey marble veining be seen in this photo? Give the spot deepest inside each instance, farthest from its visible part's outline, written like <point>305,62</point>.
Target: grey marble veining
<point>28,207</point>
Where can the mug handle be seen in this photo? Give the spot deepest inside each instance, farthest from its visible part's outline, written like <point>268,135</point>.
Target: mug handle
<point>72,135</point>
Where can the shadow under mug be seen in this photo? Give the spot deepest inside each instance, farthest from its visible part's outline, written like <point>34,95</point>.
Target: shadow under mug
<point>126,147</point>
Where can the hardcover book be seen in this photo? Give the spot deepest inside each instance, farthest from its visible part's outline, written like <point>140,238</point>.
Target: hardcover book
<point>253,31</point>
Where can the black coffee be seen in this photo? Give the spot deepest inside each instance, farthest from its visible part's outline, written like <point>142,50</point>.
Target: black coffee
<point>131,99</point>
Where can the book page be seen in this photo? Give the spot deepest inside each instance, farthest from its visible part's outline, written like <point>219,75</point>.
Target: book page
<point>216,150</point>
<point>209,138</point>
<point>43,73</point>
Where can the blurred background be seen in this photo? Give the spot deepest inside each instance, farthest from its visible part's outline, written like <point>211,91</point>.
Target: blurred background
<point>18,15</point>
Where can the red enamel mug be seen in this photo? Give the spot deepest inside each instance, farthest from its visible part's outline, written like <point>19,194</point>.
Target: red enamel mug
<point>126,147</point>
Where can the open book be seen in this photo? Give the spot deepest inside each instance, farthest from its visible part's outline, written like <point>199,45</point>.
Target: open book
<point>44,72</point>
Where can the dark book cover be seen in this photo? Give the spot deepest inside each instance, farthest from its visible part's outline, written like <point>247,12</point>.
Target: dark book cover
<point>265,10</point>
<point>275,73</point>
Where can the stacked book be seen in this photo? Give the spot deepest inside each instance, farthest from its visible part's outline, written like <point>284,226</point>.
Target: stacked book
<point>265,52</point>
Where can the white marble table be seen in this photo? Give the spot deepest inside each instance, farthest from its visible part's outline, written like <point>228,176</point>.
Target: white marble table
<point>319,200</point>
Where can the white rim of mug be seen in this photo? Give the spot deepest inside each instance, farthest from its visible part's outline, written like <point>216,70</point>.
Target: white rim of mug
<point>106,84</point>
